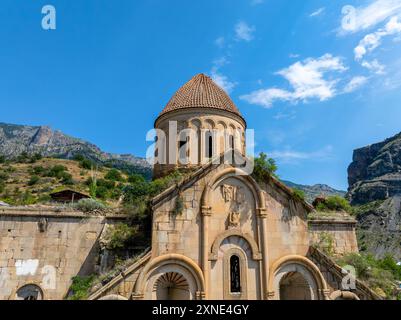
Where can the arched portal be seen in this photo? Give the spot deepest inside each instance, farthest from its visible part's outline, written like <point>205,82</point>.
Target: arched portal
<point>29,292</point>
<point>296,278</point>
<point>171,286</point>
<point>168,277</point>
<point>294,286</point>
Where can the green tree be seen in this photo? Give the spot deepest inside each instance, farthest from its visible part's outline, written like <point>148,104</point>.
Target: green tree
<point>113,175</point>
<point>264,167</point>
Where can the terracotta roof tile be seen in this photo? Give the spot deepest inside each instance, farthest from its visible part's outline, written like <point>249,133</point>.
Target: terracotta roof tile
<point>201,91</point>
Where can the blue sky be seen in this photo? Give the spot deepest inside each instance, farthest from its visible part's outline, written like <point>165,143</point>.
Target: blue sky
<point>313,84</point>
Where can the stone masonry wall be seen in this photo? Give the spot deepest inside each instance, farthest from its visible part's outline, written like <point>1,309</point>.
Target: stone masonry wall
<point>338,236</point>
<point>47,249</point>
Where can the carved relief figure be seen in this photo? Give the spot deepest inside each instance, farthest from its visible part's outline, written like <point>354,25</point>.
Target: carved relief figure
<point>234,219</point>
<point>227,192</point>
<point>239,195</point>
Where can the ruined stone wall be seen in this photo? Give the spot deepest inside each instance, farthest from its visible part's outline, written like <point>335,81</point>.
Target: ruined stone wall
<point>46,249</point>
<point>333,236</point>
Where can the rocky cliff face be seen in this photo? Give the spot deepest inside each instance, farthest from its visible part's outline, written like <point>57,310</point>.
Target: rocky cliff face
<point>15,139</point>
<point>375,173</point>
<point>374,179</point>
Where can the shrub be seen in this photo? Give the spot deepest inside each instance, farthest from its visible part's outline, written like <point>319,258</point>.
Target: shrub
<point>33,180</point>
<point>38,170</point>
<point>298,194</point>
<point>3,177</point>
<point>66,179</point>
<point>179,205</point>
<point>2,159</point>
<point>56,171</point>
<point>264,167</point>
<point>101,192</point>
<point>80,287</point>
<point>334,203</point>
<point>379,274</point>
<point>27,198</point>
<point>89,205</point>
<point>87,164</point>
<point>44,198</point>
<point>113,175</point>
<point>78,157</point>
<point>23,157</point>
<point>117,236</point>
<point>325,243</point>
<point>108,184</point>
<point>137,210</point>
<point>136,178</point>
<point>35,157</point>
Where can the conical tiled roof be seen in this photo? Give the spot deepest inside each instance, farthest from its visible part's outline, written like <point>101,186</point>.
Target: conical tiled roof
<point>201,92</point>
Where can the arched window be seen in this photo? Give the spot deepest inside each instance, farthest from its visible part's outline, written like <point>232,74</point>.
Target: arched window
<point>232,147</point>
<point>235,275</point>
<point>209,145</point>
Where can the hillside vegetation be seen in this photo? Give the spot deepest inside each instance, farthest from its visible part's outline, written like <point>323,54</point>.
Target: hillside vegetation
<point>29,180</point>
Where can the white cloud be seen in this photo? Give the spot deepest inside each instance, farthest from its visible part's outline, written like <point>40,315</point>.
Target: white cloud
<point>282,115</point>
<point>307,79</point>
<point>375,12</point>
<point>222,81</point>
<point>243,31</point>
<point>375,66</point>
<point>290,155</point>
<point>355,83</point>
<point>372,40</point>
<point>318,12</point>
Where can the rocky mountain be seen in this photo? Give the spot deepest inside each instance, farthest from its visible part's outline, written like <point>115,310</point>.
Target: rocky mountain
<point>375,173</point>
<point>311,192</point>
<point>374,179</point>
<point>16,139</point>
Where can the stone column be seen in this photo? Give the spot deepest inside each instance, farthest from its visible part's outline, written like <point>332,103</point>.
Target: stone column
<point>262,214</point>
<point>206,213</point>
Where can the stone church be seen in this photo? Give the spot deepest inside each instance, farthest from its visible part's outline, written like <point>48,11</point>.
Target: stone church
<point>234,238</point>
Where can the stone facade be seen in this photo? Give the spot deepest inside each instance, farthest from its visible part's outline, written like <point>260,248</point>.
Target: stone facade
<point>45,249</point>
<point>232,238</point>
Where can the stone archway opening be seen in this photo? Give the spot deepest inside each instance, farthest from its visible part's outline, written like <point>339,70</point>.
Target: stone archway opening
<point>294,286</point>
<point>29,292</point>
<point>172,286</point>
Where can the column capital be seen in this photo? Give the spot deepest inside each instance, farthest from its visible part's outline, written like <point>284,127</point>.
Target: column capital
<point>324,294</point>
<point>269,295</point>
<point>200,295</point>
<point>261,212</point>
<point>206,211</point>
<point>137,296</point>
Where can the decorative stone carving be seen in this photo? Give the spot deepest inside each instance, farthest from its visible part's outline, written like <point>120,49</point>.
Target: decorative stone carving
<point>42,224</point>
<point>234,219</point>
<point>228,192</point>
<point>233,193</point>
<point>239,195</point>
